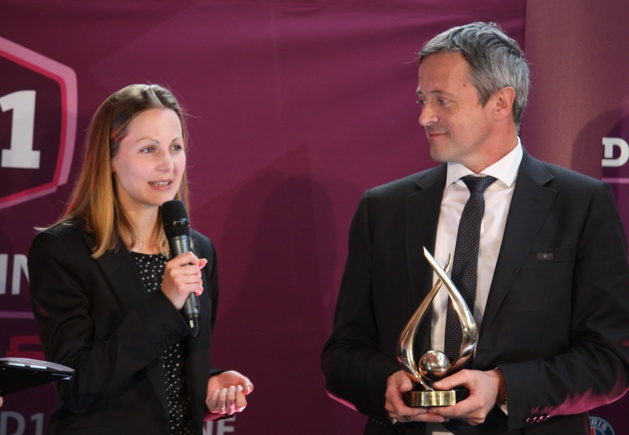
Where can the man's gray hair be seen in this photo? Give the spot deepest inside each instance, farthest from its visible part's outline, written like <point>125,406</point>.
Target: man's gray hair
<point>496,60</point>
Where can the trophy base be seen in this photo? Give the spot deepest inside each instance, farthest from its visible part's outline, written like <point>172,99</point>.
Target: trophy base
<point>426,399</point>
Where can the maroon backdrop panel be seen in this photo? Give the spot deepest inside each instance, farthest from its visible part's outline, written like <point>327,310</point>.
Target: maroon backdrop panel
<point>296,108</point>
<point>579,108</point>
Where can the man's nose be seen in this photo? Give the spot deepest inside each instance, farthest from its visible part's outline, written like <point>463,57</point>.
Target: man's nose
<point>427,115</point>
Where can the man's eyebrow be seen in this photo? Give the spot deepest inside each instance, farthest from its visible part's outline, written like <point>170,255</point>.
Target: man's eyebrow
<point>434,92</point>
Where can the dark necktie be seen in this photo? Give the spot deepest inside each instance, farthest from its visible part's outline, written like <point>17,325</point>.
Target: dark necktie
<point>465,263</point>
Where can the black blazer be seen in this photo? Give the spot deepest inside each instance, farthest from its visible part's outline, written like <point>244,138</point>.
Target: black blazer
<point>96,317</point>
<point>557,317</point>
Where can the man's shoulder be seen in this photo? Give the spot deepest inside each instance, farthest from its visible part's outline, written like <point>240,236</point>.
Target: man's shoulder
<point>410,183</point>
<point>561,175</point>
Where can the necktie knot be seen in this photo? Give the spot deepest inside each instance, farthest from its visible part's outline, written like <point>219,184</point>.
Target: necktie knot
<point>477,184</point>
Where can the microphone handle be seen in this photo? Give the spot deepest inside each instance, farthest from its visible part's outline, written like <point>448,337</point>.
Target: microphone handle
<point>192,307</point>
<point>192,312</point>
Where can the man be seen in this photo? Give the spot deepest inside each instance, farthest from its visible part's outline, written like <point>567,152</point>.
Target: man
<point>552,287</point>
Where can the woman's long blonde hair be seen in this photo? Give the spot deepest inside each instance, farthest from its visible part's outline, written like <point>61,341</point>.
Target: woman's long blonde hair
<point>94,202</point>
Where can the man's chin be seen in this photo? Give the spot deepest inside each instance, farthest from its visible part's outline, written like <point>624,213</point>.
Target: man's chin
<point>437,155</point>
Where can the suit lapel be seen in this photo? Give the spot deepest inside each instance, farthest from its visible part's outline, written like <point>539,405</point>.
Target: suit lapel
<point>122,277</point>
<point>125,283</point>
<point>529,208</point>
<point>422,215</point>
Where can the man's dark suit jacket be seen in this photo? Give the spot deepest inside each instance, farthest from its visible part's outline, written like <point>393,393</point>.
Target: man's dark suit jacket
<point>557,317</point>
<point>96,317</point>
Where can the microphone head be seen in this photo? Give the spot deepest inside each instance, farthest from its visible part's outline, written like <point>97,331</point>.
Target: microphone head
<point>175,219</point>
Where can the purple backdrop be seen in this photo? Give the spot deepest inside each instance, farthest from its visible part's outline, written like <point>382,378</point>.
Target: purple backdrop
<point>296,108</point>
<point>579,100</point>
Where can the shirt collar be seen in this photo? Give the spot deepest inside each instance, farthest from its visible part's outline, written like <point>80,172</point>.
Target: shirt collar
<point>504,170</point>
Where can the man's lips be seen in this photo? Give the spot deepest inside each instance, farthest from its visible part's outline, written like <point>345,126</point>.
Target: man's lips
<point>433,133</point>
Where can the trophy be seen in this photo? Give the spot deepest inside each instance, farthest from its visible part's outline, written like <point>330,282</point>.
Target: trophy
<point>434,364</point>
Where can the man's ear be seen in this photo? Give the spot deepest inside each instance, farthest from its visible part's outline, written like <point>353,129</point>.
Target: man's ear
<point>503,102</point>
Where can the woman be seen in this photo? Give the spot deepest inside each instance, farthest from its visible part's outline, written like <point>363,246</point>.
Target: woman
<point>105,296</point>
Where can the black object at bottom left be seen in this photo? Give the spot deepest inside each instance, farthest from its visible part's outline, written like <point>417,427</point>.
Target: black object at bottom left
<point>18,374</point>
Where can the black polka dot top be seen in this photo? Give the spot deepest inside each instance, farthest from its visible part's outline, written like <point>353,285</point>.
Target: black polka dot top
<point>151,268</point>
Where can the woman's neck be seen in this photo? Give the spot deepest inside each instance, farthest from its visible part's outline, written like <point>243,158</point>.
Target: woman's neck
<point>146,232</point>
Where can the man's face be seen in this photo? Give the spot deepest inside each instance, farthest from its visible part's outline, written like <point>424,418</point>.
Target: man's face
<point>457,126</point>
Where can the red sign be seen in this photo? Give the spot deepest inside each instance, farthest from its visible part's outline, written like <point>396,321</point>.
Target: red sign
<point>38,115</point>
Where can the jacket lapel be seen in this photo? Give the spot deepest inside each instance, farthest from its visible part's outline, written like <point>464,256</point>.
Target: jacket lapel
<point>122,277</point>
<point>125,283</point>
<point>530,206</point>
<point>422,215</point>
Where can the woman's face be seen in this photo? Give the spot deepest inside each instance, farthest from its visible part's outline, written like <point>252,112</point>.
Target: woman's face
<point>150,161</point>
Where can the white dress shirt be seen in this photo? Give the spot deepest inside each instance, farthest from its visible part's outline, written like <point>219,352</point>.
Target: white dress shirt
<point>497,202</point>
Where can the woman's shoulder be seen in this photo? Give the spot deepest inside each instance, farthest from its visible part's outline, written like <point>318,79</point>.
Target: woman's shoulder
<point>65,230</point>
<point>200,237</point>
<point>201,242</point>
<point>64,239</point>
<point>69,234</point>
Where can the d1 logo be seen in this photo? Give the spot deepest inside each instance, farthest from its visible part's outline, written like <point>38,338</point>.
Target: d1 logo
<point>38,116</point>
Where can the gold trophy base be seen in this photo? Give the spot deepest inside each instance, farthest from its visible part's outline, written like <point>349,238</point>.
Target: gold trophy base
<point>426,399</point>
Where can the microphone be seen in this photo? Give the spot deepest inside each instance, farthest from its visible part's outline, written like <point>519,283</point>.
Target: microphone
<point>177,229</point>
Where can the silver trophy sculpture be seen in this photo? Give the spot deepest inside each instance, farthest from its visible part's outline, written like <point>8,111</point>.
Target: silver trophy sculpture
<point>434,364</point>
